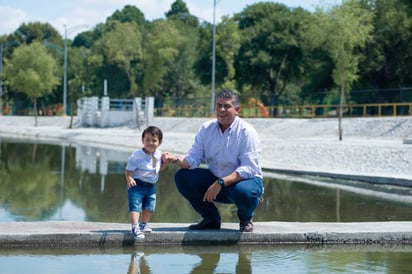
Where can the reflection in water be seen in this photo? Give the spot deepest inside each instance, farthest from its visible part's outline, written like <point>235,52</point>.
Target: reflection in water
<point>41,182</point>
<point>272,259</point>
<point>215,262</point>
<point>211,259</point>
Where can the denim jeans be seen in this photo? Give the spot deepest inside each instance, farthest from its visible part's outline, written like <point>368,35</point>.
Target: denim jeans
<point>193,184</point>
<point>142,197</point>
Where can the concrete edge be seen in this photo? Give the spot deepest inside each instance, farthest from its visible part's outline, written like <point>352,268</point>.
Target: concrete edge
<point>383,180</point>
<point>121,239</point>
<point>89,234</point>
<point>407,141</point>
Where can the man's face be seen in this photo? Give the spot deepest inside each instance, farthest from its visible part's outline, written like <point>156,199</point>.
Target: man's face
<point>226,112</point>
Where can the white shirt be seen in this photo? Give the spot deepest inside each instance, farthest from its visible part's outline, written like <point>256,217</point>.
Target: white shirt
<point>141,164</point>
<point>238,149</point>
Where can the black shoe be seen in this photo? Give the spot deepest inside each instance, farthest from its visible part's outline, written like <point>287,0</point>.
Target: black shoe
<point>205,224</point>
<point>246,227</point>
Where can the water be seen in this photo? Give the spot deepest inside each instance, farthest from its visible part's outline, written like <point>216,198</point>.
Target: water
<point>44,182</point>
<point>211,259</point>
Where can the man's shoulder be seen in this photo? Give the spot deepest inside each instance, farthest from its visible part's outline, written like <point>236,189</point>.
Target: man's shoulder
<point>209,123</point>
<point>246,127</point>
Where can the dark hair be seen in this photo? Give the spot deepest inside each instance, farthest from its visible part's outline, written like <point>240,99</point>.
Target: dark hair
<point>227,93</point>
<point>154,131</point>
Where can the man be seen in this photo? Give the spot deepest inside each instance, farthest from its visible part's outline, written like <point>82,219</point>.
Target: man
<point>231,149</point>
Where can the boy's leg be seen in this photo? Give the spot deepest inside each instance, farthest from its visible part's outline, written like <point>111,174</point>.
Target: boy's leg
<point>134,217</point>
<point>149,206</point>
<point>135,207</point>
<point>146,214</point>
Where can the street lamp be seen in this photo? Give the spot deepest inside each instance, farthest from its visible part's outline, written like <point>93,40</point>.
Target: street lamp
<point>212,100</point>
<point>65,64</point>
<point>1,79</point>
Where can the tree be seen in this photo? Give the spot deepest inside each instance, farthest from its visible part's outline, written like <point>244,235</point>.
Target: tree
<point>341,31</point>
<point>227,46</point>
<point>387,61</point>
<point>270,54</point>
<point>162,49</point>
<point>127,15</point>
<point>32,70</point>
<point>37,31</point>
<point>122,47</point>
<point>80,80</point>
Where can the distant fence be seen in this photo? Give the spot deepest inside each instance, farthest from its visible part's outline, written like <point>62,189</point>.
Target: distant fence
<point>297,111</point>
<point>106,112</point>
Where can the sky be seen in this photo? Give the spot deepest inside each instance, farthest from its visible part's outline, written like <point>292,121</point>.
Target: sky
<point>82,15</point>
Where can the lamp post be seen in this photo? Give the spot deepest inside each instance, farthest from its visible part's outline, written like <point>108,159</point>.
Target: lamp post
<point>212,99</point>
<point>1,79</point>
<point>65,64</point>
<point>65,73</point>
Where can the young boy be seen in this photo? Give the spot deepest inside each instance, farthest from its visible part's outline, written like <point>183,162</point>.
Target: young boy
<point>142,173</point>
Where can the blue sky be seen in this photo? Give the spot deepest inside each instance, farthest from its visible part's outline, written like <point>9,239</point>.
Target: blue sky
<point>79,15</point>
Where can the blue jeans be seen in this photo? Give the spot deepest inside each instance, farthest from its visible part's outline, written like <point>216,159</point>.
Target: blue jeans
<point>246,194</point>
<point>142,197</point>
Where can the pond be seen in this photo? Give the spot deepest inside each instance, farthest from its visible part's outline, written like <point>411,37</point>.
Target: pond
<point>43,182</point>
<point>211,259</point>
<point>52,182</point>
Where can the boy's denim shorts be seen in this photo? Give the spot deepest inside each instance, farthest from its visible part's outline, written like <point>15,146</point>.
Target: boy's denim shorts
<point>142,197</point>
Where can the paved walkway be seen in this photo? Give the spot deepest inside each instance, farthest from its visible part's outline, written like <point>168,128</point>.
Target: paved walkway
<point>67,233</point>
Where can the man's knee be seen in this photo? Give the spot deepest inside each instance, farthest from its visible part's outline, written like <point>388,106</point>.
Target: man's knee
<point>180,175</point>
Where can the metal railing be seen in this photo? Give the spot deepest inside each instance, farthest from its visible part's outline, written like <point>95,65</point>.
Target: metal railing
<point>297,111</point>
<point>247,110</point>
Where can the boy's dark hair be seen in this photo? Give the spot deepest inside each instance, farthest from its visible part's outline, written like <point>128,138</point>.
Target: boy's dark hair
<point>154,131</point>
<point>228,93</point>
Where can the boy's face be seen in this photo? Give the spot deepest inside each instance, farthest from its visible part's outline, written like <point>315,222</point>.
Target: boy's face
<point>150,142</point>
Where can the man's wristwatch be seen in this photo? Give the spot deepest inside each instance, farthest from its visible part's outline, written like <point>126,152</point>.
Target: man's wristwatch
<point>221,182</point>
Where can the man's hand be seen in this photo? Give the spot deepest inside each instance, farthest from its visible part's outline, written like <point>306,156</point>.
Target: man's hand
<point>212,192</point>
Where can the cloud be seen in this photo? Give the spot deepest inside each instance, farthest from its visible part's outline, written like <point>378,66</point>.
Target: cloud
<point>11,19</point>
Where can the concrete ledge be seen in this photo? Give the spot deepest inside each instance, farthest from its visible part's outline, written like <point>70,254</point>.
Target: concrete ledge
<point>65,234</point>
<point>382,180</point>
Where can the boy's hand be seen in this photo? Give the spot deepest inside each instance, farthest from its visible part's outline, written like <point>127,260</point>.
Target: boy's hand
<point>130,182</point>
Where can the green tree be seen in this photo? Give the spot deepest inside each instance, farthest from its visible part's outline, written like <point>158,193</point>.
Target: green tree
<point>32,70</point>
<point>122,47</point>
<point>387,60</point>
<point>270,53</point>
<point>38,31</point>
<point>127,15</point>
<point>46,34</point>
<point>162,49</point>
<point>227,46</point>
<point>81,81</point>
<point>179,11</point>
<point>341,31</point>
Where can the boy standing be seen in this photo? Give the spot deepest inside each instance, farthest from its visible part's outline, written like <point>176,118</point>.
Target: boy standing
<point>142,173</point>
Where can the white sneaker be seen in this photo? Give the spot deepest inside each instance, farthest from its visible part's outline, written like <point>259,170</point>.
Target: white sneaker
<point>145,227</point>
<point>137,233</point>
